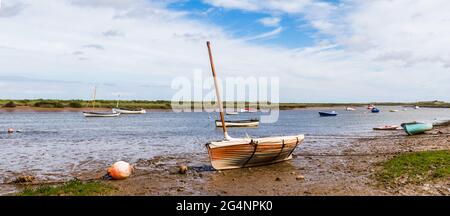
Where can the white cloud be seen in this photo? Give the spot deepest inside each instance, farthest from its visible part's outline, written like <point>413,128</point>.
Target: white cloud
<point>270,21</point>
<point>374,49</point>
<point>266,35</point>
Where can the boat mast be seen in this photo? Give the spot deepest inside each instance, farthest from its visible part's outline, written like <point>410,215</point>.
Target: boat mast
<point>219,99</point>
<point>118,99</point>
<point>93,98</point>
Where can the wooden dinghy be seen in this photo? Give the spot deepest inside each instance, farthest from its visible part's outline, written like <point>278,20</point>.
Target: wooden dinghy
<point>239,123</point>
<point>234,153</point>
<point>129,111</point>
<point>239,153</point>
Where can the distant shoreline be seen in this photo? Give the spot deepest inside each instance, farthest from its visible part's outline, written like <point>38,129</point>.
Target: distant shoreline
<point>48,105</point>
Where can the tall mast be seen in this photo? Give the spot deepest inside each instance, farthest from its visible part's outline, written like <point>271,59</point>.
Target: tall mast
<point>118,99</point>
<point>93,97</point>
<point>219,99</point>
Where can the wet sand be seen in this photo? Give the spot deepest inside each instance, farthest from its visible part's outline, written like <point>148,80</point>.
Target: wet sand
<point>347,170</point>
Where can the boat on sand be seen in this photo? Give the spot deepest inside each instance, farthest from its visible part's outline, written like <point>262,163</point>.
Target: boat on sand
<point>413,128</point>
<point>388,127</point>
<point>232,153</point>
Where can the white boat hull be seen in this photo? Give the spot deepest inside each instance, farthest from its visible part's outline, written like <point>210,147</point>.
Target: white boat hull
<point>94,114</point>
<point>238,124</point>
<point>124,111</point>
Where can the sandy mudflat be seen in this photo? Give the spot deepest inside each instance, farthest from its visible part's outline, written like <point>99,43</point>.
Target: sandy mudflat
<point>347,170</point>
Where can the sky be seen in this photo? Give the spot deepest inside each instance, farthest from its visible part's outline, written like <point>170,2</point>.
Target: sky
<point>321,51</point>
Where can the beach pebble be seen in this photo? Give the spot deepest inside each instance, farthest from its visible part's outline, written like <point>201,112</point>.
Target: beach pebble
<point>292,173</point>
<point>23,179</point>
<point>278,179</point>
<point>183,169</point>
<point>300,177</point>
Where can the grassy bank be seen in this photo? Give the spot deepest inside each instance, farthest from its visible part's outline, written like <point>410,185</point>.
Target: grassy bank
<point>162,104</point>
<point>71,188</point>
<point>415,167</point>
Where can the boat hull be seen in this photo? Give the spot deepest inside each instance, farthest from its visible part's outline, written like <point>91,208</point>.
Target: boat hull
<point>95,114</point>
<point>388,127</point>
<point>238,123</point>
<point>124,111</point>
<point>252,152</point>
<point>327,114</point>
<point>416,128</point>
<point>375,110</point>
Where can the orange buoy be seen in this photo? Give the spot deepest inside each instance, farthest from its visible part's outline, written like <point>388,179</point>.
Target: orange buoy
<point>10,130</point>
<point>120,170</point>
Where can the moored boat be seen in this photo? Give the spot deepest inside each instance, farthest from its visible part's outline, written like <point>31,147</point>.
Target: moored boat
<point>232,113</point>
<point>100,114</point>
<point>350,109</point>
<point>388,127</point>
<point>375,110</point>
<point>234,153</point>
<point>239,123</point>
<point>328,114</point>
<point>413,128</point>
<point>239,153</point>
<point>129,111</point>
<point>393,110</point>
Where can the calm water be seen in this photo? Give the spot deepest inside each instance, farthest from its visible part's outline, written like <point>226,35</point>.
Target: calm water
<point>52,144</point>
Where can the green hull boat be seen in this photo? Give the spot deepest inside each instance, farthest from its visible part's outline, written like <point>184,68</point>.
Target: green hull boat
<point>416,127</point>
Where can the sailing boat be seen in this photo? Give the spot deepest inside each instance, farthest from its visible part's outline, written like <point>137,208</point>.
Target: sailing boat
<point>234,153</point>
<point>98,114</point>
<point>127,111</point>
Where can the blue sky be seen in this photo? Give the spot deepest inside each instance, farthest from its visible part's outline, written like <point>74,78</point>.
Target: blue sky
<point>321,51</point>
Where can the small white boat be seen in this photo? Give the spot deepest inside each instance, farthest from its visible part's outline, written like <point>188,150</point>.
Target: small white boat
<point>394,110</point>
<point>416,107</point>
<point>248,110</point>
<point>388,127</point>
<point>239,123</point>
<point>100,114</point>
<point>232,113</point>
<point>128,111</point>
<point>350,109</point>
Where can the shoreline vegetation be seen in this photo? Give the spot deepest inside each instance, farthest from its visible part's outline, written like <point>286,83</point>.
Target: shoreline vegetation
<point>77,105</point>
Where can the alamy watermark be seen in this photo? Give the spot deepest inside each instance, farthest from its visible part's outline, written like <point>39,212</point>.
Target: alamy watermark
<point>239,94</point>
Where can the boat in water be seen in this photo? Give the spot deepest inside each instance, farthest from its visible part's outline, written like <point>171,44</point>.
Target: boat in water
<point>232,113</point>
<point>239,123</point>
<point>394,110</point>
<point>232,153</point>
<point>413,128</point>
<point>328,114</point>
<point>375,110</point>
<point>98,114</point>
<point>350,109</point>
<point>129,111</point>
<point>388,127</point>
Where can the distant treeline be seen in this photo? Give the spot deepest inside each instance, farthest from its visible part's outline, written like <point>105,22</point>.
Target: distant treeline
<point>163,104</point>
